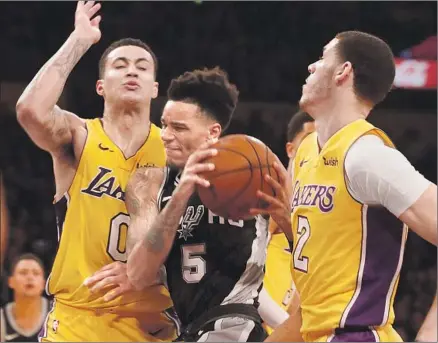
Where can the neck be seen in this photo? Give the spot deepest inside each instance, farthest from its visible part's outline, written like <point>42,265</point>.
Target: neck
<point>27,307</point>
<point>330,118</point>
<point>128,128</point>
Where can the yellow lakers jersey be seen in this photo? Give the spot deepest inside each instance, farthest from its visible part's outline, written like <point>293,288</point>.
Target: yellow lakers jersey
<point>93,222</point>
<point>277,280</point>
<point>346,256</point>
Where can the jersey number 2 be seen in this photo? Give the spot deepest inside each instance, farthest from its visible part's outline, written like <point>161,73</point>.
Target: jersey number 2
<point>301,262</point>
<point>193,265</point>
<point>118,225</point>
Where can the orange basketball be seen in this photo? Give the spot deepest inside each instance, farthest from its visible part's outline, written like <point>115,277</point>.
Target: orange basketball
<point>240,166</point>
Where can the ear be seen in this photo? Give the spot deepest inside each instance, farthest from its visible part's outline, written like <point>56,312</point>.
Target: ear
<point>215,131</point>
<point>290,149</point>
<point>11,282</point>
<point>155,90</point>
<point>99,87</point>
<point>343,73</point>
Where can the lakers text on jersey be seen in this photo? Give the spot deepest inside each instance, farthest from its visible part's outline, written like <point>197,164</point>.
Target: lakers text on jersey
<point>93,222</point>
<point>347,255</point>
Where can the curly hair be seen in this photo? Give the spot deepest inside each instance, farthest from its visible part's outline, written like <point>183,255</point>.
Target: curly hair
<point>210,89</point>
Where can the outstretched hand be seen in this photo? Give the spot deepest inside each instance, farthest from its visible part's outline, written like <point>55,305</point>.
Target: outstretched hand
<point>85,25</point>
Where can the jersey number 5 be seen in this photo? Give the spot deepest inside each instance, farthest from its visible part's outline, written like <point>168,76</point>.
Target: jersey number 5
<point>193,265</point>
<point>301,262</point>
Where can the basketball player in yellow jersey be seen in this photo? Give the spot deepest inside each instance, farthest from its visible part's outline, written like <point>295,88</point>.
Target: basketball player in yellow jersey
<point>352,192</point>
<point>93,160</point>
<point>277,282</point>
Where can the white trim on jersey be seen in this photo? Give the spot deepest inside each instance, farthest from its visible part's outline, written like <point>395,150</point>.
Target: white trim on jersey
<point>31,332</point>
<point>361,267</point>
<point>395,277</point>
<point>246,288</point>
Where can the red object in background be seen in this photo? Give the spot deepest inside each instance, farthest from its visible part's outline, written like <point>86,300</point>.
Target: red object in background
<point>415,74</point>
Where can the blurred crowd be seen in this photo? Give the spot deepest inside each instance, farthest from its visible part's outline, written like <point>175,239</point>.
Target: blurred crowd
<point>264,57</point>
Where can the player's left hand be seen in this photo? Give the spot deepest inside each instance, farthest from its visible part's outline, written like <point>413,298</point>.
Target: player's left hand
<point>279,206</point>
<point>113,274</point>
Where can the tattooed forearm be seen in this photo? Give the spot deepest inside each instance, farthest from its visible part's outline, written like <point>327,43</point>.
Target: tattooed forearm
<point>66,61</point>
<point>140,200</point>
<point>44,90</point>
<point>160,236</point>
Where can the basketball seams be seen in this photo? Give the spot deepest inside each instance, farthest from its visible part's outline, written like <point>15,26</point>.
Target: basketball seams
<point>232,191</point>
<point>243,189</point>
<point>269,169</point>
<point>261,171</point>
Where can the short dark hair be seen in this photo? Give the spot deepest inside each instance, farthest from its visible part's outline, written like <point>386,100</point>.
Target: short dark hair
<point>210,89</point>
<point>372,61</point>
<point>126,42</point>
<point>27,256</point>
<point>296,124</point>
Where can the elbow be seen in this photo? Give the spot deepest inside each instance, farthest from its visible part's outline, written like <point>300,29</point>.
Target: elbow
<point>25,112</point>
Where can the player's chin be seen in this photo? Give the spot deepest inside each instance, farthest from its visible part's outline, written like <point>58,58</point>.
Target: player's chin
<point>175,162</point>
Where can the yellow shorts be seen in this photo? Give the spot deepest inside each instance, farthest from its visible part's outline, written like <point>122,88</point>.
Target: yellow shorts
<point>381,334</point>
<point>68,324</point>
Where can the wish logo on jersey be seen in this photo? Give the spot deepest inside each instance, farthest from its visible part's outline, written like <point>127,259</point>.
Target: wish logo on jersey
<point>314,196</point>
<point>103,184</point>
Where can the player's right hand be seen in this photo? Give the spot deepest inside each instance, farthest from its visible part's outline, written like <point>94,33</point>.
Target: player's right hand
<point>111,279</point>
<point>190,177</point>
<point>86,26</point>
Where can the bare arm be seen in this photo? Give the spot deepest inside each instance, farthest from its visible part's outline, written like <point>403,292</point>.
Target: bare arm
<point>47,125</point>
<point>422,215</point>
<point>289,330</point>
<point>428,331</point>
<point>152,233</point>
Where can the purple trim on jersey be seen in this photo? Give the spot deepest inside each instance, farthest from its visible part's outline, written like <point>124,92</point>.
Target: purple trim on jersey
<point>384,241</point>
<point>358,336</point>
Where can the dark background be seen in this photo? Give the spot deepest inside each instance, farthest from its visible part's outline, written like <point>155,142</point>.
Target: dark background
<point>265,47</point>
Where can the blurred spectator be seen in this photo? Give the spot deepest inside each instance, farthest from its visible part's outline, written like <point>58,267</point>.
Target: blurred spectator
<point>22,319</point>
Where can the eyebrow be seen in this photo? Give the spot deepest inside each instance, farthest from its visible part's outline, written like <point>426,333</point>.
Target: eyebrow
<point>126,60</point>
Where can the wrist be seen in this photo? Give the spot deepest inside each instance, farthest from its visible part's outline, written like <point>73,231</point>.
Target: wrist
<point>79,38</point>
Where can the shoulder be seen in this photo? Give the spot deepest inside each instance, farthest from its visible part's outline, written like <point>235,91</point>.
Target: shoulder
<point>367,153</point>
<point>145,180</point>
<point>148,175</point>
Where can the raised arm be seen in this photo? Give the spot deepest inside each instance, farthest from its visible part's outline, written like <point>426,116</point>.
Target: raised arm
<point>49,126</point>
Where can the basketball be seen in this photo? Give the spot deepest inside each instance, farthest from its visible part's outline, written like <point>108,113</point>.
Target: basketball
<point>240,166</point>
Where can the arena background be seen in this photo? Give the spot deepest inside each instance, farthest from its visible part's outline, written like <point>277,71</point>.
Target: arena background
<point>266,48</point>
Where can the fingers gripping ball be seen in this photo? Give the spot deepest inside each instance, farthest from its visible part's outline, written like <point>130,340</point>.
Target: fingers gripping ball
<point>240,166</point>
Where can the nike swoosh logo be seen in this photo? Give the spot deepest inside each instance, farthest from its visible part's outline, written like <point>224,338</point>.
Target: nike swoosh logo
<point>288,250</point>
<point>11,336</point>
<point>101,147</point>
<point>167,198</point>
<point>302,162</point>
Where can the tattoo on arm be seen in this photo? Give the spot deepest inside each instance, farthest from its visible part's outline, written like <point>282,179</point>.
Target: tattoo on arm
<point>141,202</point>
<point>161,234</point>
